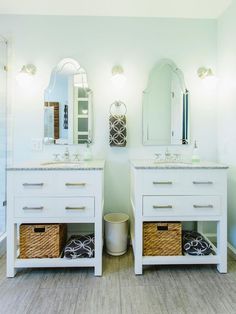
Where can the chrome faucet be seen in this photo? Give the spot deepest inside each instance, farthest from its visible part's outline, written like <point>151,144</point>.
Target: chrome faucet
<point>66,155</point>
<point>167,154</point>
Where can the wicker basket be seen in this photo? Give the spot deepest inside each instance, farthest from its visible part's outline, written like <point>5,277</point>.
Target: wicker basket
<point>42,241</point>
<point>162,238</point>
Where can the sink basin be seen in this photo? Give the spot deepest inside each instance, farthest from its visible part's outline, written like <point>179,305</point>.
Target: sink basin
<point>172,163</point>
<point>62,164</point>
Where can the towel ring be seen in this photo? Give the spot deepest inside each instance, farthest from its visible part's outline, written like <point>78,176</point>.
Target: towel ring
<point>116,105</point>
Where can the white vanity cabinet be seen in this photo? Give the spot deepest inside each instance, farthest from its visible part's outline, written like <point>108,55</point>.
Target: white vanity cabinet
<point>179,192</point>
<point>55,195</point>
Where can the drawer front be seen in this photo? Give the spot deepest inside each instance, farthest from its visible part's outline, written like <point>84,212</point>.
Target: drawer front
<point>53,207</point>
<point>31,183</point>
<point>181,205</point>
<point>58,183</point>
<point>182,182</point>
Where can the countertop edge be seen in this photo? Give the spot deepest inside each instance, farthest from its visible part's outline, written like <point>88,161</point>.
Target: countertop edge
<point>51,169</point>
<point>179,167</point>
<point>96,165</point>
<point>149,164</point>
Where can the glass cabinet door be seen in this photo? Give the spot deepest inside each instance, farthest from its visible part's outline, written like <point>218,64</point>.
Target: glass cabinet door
<point>82,115</point>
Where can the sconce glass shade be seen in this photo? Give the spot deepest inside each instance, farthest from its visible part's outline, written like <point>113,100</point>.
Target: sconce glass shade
<point>24,77</point>
<point>29,69</point>
<point>204,72</point>
<point>208,78</point>
<point>118,77</point>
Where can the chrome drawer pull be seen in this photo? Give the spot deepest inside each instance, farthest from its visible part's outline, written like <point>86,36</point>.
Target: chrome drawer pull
<point>202,182</point>
<point>162,182</point>
<point>75,208</point>
<point>33,208</point>
<point>162,206</point>
<point>203,206</point>
<point>33,184</point>
<point>76,184</point>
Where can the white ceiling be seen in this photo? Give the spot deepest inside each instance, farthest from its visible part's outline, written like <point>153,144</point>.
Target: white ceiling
<point>144,8</point>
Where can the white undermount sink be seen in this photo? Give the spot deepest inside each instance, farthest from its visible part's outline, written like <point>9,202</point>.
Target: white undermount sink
<point>172,163</point>
<point>62,164</point>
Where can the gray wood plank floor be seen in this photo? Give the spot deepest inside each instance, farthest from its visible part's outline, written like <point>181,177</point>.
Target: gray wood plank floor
<point>165,289</point>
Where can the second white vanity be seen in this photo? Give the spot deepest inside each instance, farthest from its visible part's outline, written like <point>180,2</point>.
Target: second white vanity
<point>55,193</point>
<point>178,192</point>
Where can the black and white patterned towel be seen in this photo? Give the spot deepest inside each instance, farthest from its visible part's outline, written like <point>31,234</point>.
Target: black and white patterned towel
<point>118,132</point>
<point>80,246</point>
<point>195,244</point>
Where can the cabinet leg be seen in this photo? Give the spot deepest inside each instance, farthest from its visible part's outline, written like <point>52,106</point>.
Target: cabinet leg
<point>98,270</point>
<point>222,268</point>
<point>98,249</point>
<point>222,246</point>
<point>11,271</point>
<point>138,269</point>
<point>11,250</point>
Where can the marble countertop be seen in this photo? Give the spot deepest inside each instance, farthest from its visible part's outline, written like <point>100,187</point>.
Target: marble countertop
<point>152,164</point>
<point>83,165</point>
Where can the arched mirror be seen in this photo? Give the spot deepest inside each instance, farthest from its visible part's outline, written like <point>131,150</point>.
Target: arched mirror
<point>68,105</point>
<point>166,106</point>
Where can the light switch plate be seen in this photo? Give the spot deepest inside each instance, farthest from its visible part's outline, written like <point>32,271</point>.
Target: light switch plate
<point>36,144</point>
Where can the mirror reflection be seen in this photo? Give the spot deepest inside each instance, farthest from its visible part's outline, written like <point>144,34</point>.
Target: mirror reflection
<point>166,106</point>
<point>68,105</point>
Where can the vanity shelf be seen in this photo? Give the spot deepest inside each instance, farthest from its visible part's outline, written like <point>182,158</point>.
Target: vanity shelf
<point>182,260</point>
<point>188,192</point>
<point>54,262</point>
<point>43,194</point>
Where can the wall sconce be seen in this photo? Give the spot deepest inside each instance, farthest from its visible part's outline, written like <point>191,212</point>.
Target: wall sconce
<point>204,73</point>
<point>208,78</point>
<point>118,77</point>
<point>24,77</point>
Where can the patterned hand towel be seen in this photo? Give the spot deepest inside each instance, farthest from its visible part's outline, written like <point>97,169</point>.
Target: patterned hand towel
<point>118,132</point>
<point>80,246</point>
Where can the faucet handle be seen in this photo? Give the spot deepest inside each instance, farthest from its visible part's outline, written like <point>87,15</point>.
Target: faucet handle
<point>66,154</point>
<point>158,156</point>
<point>56,157</point>
<point>167,152</point>
<point>76,157</point>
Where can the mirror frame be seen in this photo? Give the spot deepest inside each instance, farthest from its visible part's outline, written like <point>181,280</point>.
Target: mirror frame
<point>186,131</point>
<point>77,70</point>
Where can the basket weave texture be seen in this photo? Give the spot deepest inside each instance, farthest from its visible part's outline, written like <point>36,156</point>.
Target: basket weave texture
<point>42,241</point>
<point>162,239</point>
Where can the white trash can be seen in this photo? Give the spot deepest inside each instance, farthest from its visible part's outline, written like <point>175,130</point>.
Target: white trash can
<point>116,233</point>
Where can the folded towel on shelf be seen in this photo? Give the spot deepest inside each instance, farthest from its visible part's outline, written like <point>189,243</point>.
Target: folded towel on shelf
<point>80,246</point>
<point>195,244</point>
<point>118,132</point>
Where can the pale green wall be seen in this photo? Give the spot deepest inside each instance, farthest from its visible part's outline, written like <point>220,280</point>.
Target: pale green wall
<point>227,108</point>
<point>98,44</point>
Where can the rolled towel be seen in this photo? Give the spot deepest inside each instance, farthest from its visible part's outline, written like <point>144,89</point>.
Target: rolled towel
<point>195,244</point>
<point>80,246</point>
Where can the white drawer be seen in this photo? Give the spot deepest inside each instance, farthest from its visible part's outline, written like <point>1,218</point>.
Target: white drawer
<point>56,183</point>
<point>179,182</point>
<point>181,205</point>
<point>40,207</point>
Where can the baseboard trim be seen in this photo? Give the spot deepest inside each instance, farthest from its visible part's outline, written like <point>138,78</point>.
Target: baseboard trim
<point>3,244</point>
<point>210,236</point>
<point>232,250</point>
